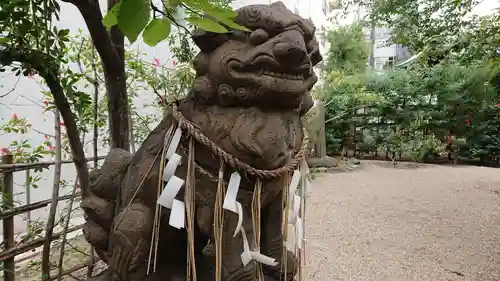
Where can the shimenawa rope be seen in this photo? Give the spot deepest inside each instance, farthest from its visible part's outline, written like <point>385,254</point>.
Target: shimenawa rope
<point>231,160</point>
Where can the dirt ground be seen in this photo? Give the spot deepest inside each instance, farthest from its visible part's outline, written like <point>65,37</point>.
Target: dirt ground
<point>413,222</point>
<point>380,223</point>
<point>76,253</point>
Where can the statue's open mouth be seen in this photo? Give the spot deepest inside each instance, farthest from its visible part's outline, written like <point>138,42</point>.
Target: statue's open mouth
<point>266,65</point>
<point>288,76</point>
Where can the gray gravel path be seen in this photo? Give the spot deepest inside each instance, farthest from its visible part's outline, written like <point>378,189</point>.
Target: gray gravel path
<point>379,223</point>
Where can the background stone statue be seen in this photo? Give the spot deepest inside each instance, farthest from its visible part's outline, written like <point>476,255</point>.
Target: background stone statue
<point>250,92</point>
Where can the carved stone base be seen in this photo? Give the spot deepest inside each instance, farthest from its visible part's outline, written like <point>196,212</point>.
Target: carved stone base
<point>322,162</point>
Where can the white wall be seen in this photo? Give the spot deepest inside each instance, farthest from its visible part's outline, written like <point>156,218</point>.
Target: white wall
<point>26,101</point>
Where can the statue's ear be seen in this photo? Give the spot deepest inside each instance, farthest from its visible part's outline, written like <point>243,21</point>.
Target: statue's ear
<point>208,41</point>
<point>313,49</point>
<point>278,4</point>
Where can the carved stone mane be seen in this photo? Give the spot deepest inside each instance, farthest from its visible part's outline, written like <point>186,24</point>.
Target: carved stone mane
<point>250,92</point>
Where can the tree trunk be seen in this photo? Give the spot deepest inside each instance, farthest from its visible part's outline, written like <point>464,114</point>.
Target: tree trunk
<point>110,48</point>
<point>49,228</point>
<point>116,88</point>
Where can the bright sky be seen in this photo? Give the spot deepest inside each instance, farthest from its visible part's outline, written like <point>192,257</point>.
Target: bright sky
<point>486,7</point>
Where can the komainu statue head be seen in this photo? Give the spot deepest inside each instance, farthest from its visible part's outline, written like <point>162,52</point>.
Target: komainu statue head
<point>252,87</point>
<point>270,66</point>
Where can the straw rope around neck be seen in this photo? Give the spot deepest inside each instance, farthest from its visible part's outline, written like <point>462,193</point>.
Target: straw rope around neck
<point>233,161</point>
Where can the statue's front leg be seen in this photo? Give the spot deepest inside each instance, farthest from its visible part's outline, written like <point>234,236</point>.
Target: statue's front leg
<point>272,242</point>
<point>129,242</point>
<point>232,248</point>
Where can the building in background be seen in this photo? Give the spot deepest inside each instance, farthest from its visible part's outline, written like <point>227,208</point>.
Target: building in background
<point>383,53</point>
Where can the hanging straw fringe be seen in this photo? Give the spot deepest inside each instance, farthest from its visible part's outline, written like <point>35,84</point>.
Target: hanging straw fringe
<point>284,226</point>
<point>304,171</point>
<point>157,217</point>
<point>219,222</point>
<point>256,217</point>
<point>189,199</point>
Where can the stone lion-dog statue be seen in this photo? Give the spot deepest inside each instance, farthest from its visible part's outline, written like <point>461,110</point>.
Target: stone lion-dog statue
<point>240,123</point>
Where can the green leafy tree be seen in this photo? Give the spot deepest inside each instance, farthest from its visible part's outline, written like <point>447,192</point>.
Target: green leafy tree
<point>449,90</point>
<point>348,49</point>
<point>415,22</point>
<point>346,60</point>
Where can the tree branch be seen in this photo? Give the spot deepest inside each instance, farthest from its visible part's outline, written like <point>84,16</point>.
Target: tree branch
<point>11,90</point>
<point>48,70</point>
<point>349,110</point>
<point>114,72</point>
<point>91,13</point>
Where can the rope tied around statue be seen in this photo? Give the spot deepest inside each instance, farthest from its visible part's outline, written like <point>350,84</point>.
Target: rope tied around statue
<point>192,130</point>
<point>182,209</point>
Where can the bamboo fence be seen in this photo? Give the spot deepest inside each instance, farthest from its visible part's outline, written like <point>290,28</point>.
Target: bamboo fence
<point>8,211</point>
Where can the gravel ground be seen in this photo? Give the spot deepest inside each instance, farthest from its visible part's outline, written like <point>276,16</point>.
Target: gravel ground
<point>409,223</point>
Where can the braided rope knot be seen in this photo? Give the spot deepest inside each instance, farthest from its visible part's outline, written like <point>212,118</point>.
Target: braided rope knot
<point>233,161</point>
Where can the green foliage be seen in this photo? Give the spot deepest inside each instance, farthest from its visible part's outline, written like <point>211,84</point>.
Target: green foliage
<point>134,17</point>
<point>31,31</point>
<point>415,110</point>
<point>23,151</point>
<point>453,89</point>
<point>111,18</point>
<point>420,145</point>
<point>151,82</point>
<point>483,138</point>
<point>156,31</point>
<point>207,24</point>
<point>346,60</point>
<point>415,22</point>
<point>348,49</point>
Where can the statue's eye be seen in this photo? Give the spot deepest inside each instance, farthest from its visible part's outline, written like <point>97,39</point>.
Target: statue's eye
<point>258,36</point>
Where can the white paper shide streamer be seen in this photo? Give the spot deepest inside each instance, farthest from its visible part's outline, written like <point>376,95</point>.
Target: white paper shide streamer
<point>173,184</point>
<point>297,192</point>
<point>234,206</point>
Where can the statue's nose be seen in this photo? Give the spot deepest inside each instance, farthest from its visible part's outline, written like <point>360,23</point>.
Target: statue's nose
<point>290,48</point>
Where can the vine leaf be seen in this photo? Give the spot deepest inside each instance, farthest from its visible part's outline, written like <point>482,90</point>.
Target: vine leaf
<point>225,16</point>
<point>133,17</point>
<point>228,22</point>
<point>111,18</point>
<point>207,24</point>
<point>207,7</point>
<point>156,31</point>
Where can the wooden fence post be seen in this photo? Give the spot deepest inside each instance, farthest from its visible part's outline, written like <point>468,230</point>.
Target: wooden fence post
<point>8,223</point>
<point>28,199</point>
